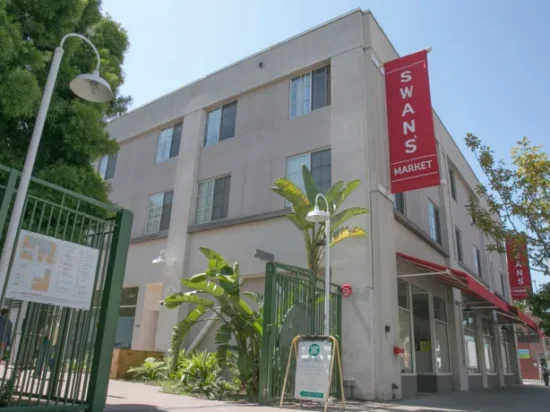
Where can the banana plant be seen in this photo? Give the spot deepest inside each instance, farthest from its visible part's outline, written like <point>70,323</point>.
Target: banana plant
<point>302,203</point>
<point>217,290</point>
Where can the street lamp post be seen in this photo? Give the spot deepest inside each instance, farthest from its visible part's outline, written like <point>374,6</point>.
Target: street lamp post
<point>89,87</point>
<point>319,216</point>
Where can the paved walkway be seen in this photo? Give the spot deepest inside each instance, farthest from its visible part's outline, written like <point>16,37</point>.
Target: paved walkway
<point>126,396</point>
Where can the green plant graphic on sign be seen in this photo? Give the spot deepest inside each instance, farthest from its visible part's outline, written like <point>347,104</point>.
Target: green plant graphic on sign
<point>314,349</point>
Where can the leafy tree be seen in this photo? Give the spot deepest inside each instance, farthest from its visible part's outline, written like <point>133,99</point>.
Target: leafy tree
<point>519,195</point>
<point>302,203</point>
<point>74,134</point>
<point>241,328</point>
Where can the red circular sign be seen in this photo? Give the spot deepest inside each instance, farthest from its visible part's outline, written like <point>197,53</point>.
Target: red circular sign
<point>346,290</point>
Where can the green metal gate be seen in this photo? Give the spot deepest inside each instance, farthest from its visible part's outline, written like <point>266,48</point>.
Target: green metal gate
<point>59,358</point>
<point>293,305</point>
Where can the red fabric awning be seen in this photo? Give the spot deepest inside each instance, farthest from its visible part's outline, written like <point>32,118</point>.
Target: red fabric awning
<point>468,283</point>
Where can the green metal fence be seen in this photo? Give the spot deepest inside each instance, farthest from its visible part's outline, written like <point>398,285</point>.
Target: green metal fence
<point>58,358</point>
<point>293,305</point>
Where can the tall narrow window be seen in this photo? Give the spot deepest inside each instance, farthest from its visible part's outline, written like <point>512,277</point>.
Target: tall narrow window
<point>488,344</point>
<point>220,124</point>
<point>399,202</point>
<point>435,224</point>
<point>405,336</point>
<point>169,142</point>
<point>470,346</point>
<point>477,261</point>
<point>441,337</point>
<point>458,239</point>
<point>310,91</point>
<point>212,199</point>
<point>159,212</point>
<point>452,182</point>
<point>126,316</point>
<point>107,166</point>
<point>318,163</point>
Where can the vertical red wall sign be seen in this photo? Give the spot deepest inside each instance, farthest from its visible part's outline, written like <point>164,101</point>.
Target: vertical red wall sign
<point>413,149</point>
<point>518,269</point>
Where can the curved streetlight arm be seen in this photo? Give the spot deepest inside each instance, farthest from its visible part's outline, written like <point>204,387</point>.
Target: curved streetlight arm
<point>80,36</point>
<point>320,195</point>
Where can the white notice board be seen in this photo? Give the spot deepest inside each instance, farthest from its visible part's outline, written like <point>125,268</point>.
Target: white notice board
<point>52,271</point>
<point>312,370</point>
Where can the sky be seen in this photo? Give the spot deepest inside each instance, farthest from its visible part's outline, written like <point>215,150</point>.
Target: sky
<point>488,65</point>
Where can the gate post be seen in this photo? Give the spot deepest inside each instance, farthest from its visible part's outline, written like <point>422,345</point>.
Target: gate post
<point>108,316</point>
<point>267,349</point>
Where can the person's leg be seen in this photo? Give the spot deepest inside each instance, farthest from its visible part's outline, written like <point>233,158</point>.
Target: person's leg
<point>546,379</point>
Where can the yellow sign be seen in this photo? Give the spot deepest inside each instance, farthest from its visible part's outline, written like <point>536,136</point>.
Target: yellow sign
<point>425,346</point>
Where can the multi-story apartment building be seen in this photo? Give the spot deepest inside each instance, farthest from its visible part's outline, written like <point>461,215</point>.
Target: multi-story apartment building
<point>196,167</point>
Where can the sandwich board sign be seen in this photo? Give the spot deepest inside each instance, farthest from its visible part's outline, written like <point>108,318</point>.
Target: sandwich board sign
<point>313,370</point>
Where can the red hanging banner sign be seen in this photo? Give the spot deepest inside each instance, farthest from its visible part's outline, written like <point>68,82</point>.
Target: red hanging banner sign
<point>518,269</point>
<point>413,149</point>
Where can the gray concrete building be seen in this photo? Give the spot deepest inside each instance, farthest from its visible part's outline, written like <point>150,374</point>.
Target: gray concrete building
<point>196,167</point>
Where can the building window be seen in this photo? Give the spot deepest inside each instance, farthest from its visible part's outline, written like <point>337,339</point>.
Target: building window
<point>441,338</point>
<point>502,283</point>
<point>399,202</point>
<point>458,239</point>
<point>404,302</point>
<point>452,181</point>
<point>310,91</point>
<point>319,164</point>
<point>107,166</point>
<point>506,349</point>
<point>488,344</point>
<point>470,346</point>
<point>126,316</point>
<point>435,224</point>
<point>169,142</point>
<point>220,124</point>
<point>212,199</point>
<point>159,212</point>
<point>477,261</point>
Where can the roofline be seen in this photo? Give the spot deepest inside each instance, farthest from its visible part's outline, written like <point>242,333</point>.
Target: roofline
<point>240,61</point>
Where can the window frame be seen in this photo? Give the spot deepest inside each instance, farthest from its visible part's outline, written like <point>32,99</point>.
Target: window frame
<point>452,183</point>
<point>403,202</point>
<point>221,108</point>
<point>299,102</point>
<point>106,162</point>
<point>477,261</point>
<point>458,241</point>
<point>309,166</point>
<point>162,212</point>
<point>488,339</point>
<point>437,321</point>
<point>171,151</point>
<point>435,230</point>
<point>209,202</point>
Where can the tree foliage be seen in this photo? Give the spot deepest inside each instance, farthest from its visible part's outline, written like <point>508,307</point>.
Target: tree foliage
<point>518,194</point>
<point>74,134</point>
<point>302,203</point>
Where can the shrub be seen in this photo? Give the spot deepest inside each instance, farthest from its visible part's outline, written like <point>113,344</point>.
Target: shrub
<point>151,370</point>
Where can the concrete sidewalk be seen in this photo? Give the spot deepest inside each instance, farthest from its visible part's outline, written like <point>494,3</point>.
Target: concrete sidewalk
<point>127,396</point>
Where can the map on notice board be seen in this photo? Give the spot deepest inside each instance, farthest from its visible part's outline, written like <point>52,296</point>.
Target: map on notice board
<point>52,271</point>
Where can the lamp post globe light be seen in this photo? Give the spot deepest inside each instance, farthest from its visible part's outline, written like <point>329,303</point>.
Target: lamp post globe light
<point>319,216</point>
<point>89,87</point>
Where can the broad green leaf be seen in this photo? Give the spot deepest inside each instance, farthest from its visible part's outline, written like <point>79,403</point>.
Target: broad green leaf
<point>199,277</point>
<point>299,222</point>
<point>177,299</point>
<point>335,191</point>
<point>346,233</point>
<point>223,336</point>
<point>309,184</point>
<point>287,189</point>
<point>206,286</point>
<point>345,215</point>
<point>183,329</point>
<point>213,255</point>
<point>348,190</point>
